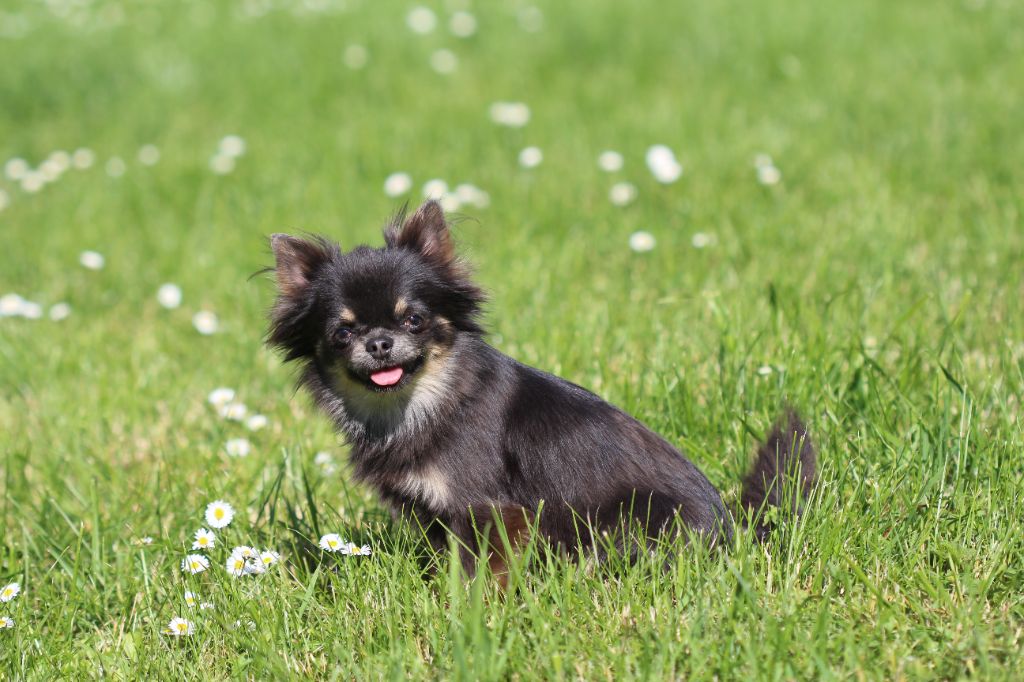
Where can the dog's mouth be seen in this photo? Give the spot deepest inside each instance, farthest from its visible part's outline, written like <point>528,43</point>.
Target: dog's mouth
<point>390,378</point>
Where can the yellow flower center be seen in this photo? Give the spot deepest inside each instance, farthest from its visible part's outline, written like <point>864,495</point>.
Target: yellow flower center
<point>182,627</point>
<point>218,513</point>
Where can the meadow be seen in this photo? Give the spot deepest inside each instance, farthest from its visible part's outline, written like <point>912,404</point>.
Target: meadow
<point>832,221</point>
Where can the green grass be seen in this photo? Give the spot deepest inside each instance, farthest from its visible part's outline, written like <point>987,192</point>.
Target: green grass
<point>880,281</point>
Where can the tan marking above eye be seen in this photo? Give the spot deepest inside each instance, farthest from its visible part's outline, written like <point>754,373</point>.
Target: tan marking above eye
<point>401,306</point>
<point>347,317</point>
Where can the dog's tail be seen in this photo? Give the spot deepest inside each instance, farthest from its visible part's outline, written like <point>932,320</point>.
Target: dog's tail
<point>782,474</point>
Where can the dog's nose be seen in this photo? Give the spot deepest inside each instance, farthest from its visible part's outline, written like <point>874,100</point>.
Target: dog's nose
<point>379,347</point>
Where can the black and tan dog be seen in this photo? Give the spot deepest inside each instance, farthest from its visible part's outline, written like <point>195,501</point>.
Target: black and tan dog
<point>443,425</point>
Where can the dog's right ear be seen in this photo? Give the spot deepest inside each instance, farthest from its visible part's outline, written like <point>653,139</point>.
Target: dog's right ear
<point>296,262</point>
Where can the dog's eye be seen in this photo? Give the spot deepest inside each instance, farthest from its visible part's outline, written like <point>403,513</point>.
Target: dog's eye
<point>343,334</point>
<point>413,322</point>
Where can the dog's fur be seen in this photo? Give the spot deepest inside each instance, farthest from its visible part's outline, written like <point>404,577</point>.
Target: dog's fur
<point>467,431</point>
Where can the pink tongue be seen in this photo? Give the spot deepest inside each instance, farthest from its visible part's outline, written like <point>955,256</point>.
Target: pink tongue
<point>387,377</point>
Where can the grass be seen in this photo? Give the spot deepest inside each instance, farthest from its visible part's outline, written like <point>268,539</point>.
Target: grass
<point>879,282</point>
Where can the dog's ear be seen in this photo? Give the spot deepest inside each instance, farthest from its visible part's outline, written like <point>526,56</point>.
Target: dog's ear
<point>297,260</point>
<point>426,232</point>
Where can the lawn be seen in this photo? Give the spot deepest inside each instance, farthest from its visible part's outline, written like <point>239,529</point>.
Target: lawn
<point>845,237</point>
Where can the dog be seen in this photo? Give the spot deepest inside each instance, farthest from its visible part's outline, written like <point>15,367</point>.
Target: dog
<point>449,430</point>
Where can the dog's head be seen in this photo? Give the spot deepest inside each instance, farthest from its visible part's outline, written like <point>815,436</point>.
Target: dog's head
<point>375,321</point>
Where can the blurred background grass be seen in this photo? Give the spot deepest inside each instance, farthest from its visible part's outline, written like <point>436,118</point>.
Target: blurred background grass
<point>877,287</point>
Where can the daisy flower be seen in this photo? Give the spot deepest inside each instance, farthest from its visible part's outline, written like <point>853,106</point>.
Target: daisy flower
<point>238,447</point>
<point>205,606</point>
<point>256,422</point>
<point>531,157</point>
<point>91,260</point>
<point>641,241</point>
<point>195,563</point>
<point>6,622</point>
<point>146,540</point>
<point>169,295</point>
<point>254,568</point>
<point>235,411</point>
<point>205,322</point>
<point>221,396</point>
<point>610,161</point>
<point>355,550</point>
<point>236,565</point>
<point>269,557</point>
<point>9,592</point>
<point>179,627</point>
<point>397,184</point>
<point>190,599</point>
<point>245,552</point>
<point>219,513</point>
<point>205,539</point>
<point>332,542</point>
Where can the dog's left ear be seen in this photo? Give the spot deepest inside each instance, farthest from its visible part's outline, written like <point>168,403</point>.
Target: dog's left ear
<point>426,232</point>
<point>297,260</point>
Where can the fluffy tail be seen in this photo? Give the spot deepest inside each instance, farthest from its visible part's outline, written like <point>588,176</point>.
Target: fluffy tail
<point>782,474</point>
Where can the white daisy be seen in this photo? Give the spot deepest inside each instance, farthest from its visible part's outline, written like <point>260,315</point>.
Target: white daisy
<point>221,396</point>
<point>146,540</point>
<point>91,260</point>
<point>462,24</point>
<point>9,592</point>
<point>702,239</point>
<point>764,370</point>
<point>245,552</point>
<point>179,627</point>
<point>332,542</point>
<point>641,241</point>
<point>236,565</point>
<point>235,411</point>
<point>32,182</point>
<point>397,184</point>
<point>355,57</point>
<point>15,169</point>
<point>83,158</point>
<point>169,295</point>
<point>470,194</point>
<point>205,606</point>
<point>10,305</point>
<point>355,550</point>
<point>663,164</point>
<point>204,539</point>
<point>269,557</point>
<point>769,175</point>
<point>434,189</point>
<point>238,447</point>
<point>444,61</point>
<point>51,170</point>
<point>450,202</point>
<point>512,114</point>
<point>222,164</point>
<point>219,513</point>
<point>232,146</point>
<point>115,167</point>
<point>256,422</point>
<point>195,563</point>
<point>190,599</point>
<point>610,161</point>
<point>622,193</point>
<point>59,311</point>
<point>205,322</point>
<point>254,568</point>
<point>149,155</point>
<point>531,157</point>
<point>421,20</point>
<point>6,622</point>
